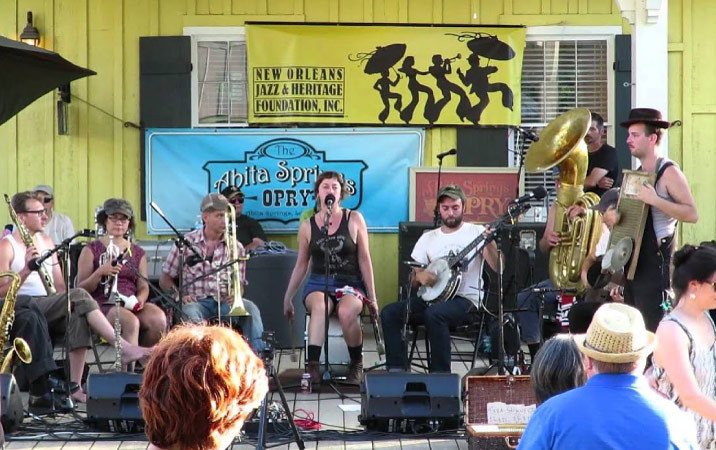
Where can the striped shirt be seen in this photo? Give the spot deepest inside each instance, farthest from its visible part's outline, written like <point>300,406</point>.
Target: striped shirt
<point>206,287</point>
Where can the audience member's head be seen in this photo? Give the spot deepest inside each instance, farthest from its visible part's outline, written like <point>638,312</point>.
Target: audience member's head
<point>694,268</point>
<point>616,341</point>
<point>199,386</point>
<point>558,367</point>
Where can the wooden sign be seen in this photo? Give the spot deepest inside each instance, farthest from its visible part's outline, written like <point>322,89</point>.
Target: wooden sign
<point>488,190</point>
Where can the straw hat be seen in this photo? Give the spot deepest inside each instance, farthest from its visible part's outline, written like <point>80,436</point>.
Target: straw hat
<point>616,335</point>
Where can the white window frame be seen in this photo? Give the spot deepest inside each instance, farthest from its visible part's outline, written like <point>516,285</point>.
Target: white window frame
<point>201,34</point>
<point>572,33</point>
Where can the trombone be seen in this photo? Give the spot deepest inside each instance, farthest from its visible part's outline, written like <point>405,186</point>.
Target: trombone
<point>237,306</point>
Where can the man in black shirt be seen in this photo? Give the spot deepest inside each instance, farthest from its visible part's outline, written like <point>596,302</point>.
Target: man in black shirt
<point>248,231</point>
<point>603,166</point>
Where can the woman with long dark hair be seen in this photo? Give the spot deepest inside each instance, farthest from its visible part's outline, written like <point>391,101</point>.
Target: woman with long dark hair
<point>685,355</point>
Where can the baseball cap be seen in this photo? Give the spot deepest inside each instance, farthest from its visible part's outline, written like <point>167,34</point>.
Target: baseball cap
<point>453,191</point>
<point>214,202</point>
<point>118,205</point>
<point>231,191</point>
<point>44,188</point>
<point>609,198</point>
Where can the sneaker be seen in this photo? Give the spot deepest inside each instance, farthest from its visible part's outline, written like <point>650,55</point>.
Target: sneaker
<point>355,372</point>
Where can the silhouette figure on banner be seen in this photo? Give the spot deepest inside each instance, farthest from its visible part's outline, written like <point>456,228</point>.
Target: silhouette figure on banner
<point>440,68</point>
<point>380,61</point>
<point>477,77</point>
<point>415,88</point>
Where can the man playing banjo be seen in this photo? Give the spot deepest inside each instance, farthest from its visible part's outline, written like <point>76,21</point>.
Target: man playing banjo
<point>448,289</point>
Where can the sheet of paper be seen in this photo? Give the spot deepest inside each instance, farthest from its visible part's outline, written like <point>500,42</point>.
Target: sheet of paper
<point>499,413</point>
<point>350,407</point>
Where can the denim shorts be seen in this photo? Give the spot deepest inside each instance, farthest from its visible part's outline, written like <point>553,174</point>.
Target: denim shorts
<point>317,283</point>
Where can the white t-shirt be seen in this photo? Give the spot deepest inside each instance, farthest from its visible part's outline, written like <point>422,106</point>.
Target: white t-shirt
<point>59,228</point>
<point>435,244</point>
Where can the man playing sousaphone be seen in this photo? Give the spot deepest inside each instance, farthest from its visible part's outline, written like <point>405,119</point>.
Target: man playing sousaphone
<point>670,200</point>
<point>453,236</point>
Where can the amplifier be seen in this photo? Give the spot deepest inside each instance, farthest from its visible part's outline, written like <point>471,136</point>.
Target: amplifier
<point>113,402</point>
<point>410,403</point>
<point>157,252</point>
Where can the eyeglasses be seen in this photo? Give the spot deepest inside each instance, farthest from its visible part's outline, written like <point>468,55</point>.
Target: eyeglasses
<point>38,212</point>
<point>118,219</point>
<point>47,199</point>
<point>237,199</point>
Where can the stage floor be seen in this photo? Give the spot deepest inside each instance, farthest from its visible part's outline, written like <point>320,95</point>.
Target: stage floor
<point>339,429</point>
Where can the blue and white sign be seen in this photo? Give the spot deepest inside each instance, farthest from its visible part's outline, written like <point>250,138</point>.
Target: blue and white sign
<point>276,170</point>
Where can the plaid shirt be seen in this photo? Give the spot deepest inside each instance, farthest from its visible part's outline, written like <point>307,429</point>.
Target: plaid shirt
<point>205,287</point>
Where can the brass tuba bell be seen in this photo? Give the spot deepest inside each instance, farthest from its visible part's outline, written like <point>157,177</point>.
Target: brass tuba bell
<point>562,144</point>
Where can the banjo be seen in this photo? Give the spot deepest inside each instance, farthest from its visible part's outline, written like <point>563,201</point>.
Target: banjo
<point>448,271</point>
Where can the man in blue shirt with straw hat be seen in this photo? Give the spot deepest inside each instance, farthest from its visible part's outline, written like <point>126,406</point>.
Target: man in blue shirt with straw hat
<point>616,409</point>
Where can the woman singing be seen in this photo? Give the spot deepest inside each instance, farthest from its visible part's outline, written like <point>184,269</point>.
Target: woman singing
<point>685,356</point>
<point>342,236</point>
<point>143,322</point>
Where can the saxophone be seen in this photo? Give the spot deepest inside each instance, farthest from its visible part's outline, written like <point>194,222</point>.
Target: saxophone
<point>27,240</point>
<point>7,316</point>
<point>562,144</point>
<point>237,308</point>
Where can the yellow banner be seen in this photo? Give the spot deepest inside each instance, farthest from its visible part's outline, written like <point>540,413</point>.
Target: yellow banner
<point>416,75</point>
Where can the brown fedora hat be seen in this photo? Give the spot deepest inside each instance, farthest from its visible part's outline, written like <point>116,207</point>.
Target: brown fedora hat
<point>648,116</point>
<point>616,335</point>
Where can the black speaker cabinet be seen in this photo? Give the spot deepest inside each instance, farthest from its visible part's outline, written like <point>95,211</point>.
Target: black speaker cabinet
<point>482,147</point>
<point>408,235</point>
<point>11,403</point>
<point>113,402</point>
<point>410,402</point>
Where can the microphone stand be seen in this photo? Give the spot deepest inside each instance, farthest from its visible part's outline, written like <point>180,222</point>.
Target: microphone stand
<point>436,213</point>
<point>181,242</point>
<point>63,250</point>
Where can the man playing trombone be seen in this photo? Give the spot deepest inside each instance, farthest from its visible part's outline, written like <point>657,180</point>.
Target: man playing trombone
<point>201,286</point>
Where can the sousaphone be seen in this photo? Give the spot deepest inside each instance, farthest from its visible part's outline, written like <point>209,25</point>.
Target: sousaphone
<point>561,144</point>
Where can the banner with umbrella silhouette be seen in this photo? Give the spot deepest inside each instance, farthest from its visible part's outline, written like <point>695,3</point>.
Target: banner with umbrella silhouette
<point>27,73</point>
<point>373,74</point>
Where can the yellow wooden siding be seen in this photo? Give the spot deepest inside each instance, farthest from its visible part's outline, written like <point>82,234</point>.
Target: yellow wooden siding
<point>100,157</point>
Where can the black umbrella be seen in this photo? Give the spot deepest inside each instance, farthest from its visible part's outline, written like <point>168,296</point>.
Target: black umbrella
<point>380,59</point>
<point>486,45</point>
<point>27,73</point>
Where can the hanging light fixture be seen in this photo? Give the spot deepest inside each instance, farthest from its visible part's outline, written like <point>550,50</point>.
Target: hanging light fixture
<point>30,35</point>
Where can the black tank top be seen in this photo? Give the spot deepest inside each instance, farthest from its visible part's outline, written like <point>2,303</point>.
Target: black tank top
<point>343,261</point>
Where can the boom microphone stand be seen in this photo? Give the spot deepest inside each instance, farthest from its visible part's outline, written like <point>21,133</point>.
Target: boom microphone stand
<point>181,242</point>
<point>436,213</point>
<point>63,250</point>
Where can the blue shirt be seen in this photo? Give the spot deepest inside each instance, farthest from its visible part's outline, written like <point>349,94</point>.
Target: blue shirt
<point>612,411</point>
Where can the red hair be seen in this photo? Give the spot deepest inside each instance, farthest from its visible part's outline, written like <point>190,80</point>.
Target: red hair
<point>200,382</point>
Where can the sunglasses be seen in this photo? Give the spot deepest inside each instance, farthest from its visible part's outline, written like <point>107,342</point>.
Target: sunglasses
<point>237,199</point>
<point>47,199</point>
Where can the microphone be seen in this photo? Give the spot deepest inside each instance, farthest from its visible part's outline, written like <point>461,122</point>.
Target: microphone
<point>193,260</point>
<point>86,233</point>
<point>529,134</point>
<point>119,258</point>
<point>452,151</point>
<point>329,200</point>
<point>415,264</point>
<point>537,193</point>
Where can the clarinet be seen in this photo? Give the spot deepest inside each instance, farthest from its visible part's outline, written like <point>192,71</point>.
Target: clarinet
<point>111,254</point>
<point>28,241</point>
